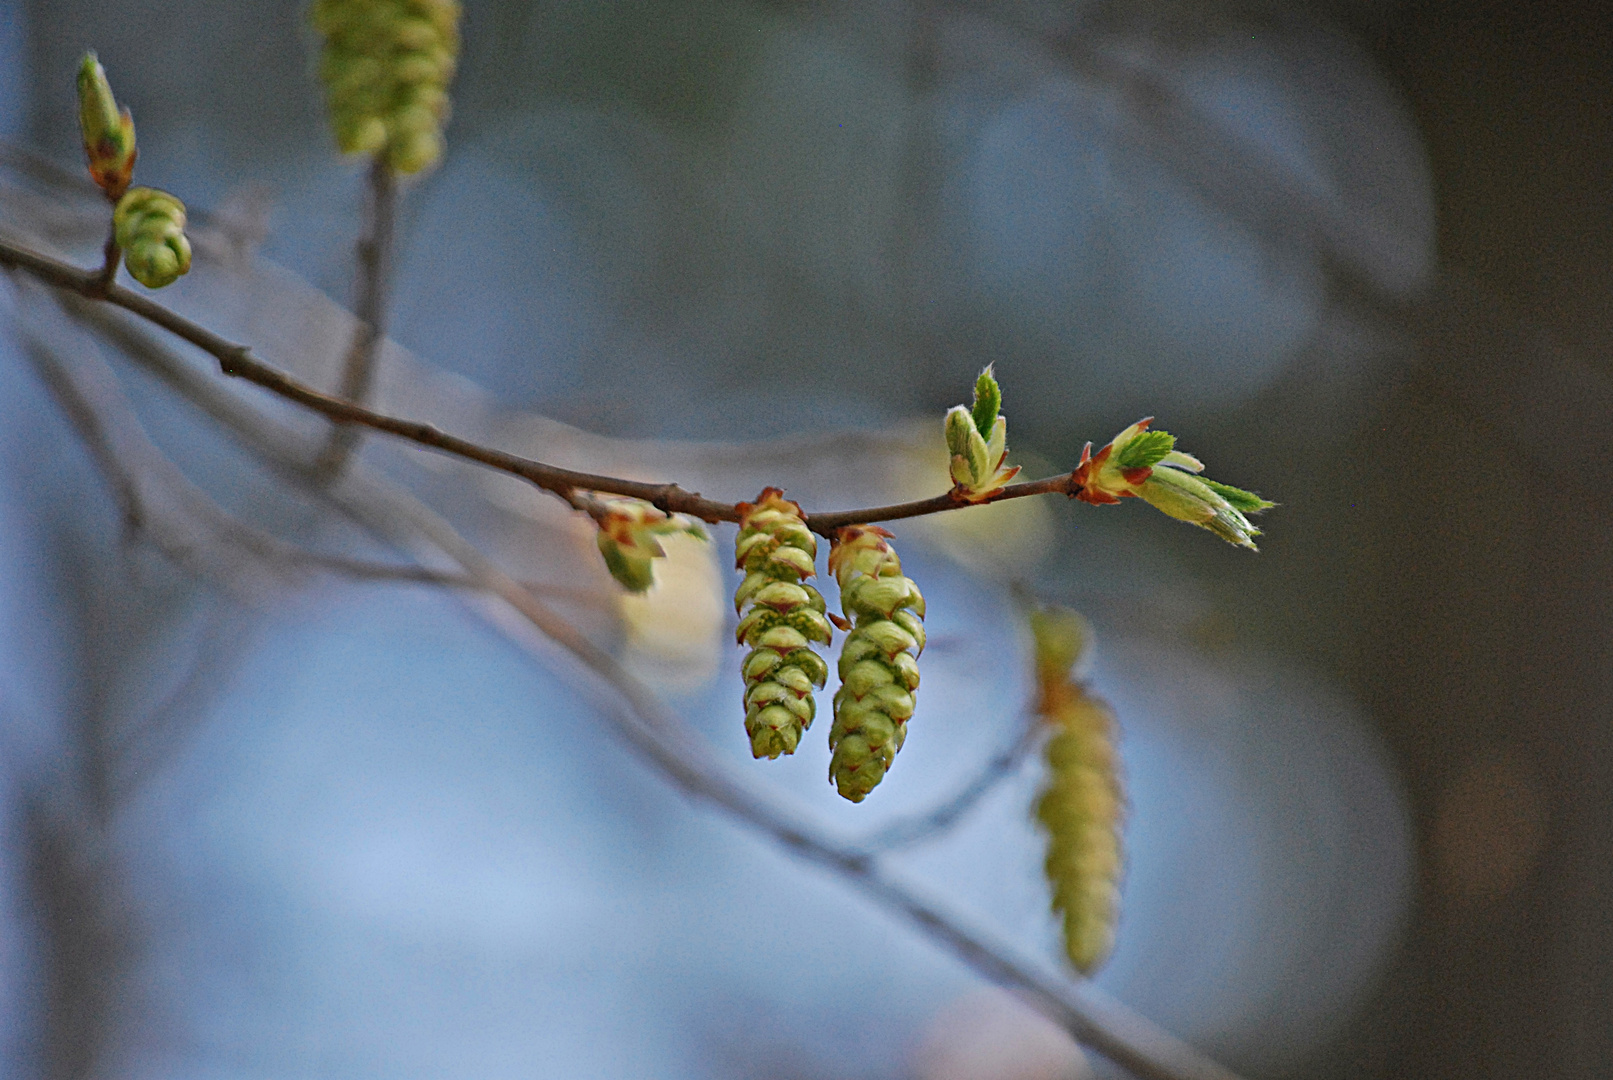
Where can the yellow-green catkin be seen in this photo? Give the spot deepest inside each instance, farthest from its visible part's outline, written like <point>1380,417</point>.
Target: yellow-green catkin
<point>879,661</point>
<point>386,68</point>
<point>785,615</point>
<point>149,226</point>
<point>1083,807</point>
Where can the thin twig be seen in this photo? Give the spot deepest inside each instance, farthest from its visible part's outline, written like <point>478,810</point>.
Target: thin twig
<point>110,252</point>
<point>911,830</point>
<point>237,360</point>
<point>374,267</point>
<point>682,756</point>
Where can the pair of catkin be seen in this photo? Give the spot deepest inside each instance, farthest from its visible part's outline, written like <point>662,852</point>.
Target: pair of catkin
<point>1083,806</point>
<point>783,617</point>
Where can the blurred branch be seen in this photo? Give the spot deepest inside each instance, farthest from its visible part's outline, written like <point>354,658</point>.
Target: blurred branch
<point>374,264</point>
<point>679,753</point>
<point>911,830</point>
<point>237,360</point>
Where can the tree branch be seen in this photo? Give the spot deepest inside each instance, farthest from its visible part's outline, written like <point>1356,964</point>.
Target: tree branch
<point>374,265</point>
<point>679,753</point>
<point>911,830</point>
<point>237,361</point>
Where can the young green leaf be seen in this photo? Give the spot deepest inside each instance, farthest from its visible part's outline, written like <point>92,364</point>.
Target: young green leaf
<point>988,401</point>
<point>1146,450</point>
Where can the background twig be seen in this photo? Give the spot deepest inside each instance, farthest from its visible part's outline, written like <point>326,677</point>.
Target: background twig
<point>374,266</point>
<point>672,747</point>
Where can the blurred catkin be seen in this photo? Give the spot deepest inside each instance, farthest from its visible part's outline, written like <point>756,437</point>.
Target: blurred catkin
<point>386,68</point>
<point>1083,806</point>
<point>879,661</point>
<point>778,553</point>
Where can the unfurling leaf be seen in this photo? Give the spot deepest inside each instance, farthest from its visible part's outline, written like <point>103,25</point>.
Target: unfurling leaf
<point>1146,465</point>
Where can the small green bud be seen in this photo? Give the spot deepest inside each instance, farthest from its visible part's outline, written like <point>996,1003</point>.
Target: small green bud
<point>1083,806</point>
<point>878,666</point>
<point>149,225</point>
<point>782,615</point>
<point>977,439</point>
<point>108,131</point>
<point>1145,464</point>
<point>988,400</point>
<point>627,540</point>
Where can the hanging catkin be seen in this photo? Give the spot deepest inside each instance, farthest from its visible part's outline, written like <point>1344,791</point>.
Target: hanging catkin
<point>1083,806</point>
<point>778,552</point>
<point>386,68</point>
<point>879,661</point>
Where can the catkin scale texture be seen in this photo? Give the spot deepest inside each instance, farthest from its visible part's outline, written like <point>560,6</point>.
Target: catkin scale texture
<point>879,661</point>
<point>386,68</point>
<point>1082,810</point>
<point>781,618</point>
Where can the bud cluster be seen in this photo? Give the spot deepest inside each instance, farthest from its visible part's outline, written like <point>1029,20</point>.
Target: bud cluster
<point>1083,806</point>
<point>978,441</point>
<point>627,539</point>
<point>879,661</point>
<point>149,225</point>
<point>386,68</point>
<point>1146,464</point>
<point>778,553</point>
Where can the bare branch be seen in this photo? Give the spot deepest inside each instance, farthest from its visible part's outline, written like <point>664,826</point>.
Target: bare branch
<point>680,754</point>
<point>374,265</point>
<point>923,826</point>
<point>237,360</point>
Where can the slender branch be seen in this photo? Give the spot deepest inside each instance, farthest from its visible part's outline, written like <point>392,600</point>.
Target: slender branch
<point>911,830</point>
<point>110,252</point>
<point>237,361</point>
<point>374,266</point>
<point>679,753</point>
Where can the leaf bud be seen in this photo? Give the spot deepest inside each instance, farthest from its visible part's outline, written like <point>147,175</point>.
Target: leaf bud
<point>149,225</point>
<point>107,130</point>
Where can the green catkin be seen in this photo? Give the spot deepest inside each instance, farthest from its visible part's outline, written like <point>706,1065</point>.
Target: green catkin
<point>149,226</point>
<point>1083,806</point>
<point>782,617</point>
<point>879,661</point>
<point>386,68</point>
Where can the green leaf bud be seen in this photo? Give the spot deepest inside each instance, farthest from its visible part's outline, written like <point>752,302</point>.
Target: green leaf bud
<point>988,400</point>
<point>107,130</point>
<point>878,666</point>
<point>1083,806</point>
<point>1144,464</point>
<point>977,439</point>
<point>149,225</point>
<point>627,539</point>
<point>782,615</point>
